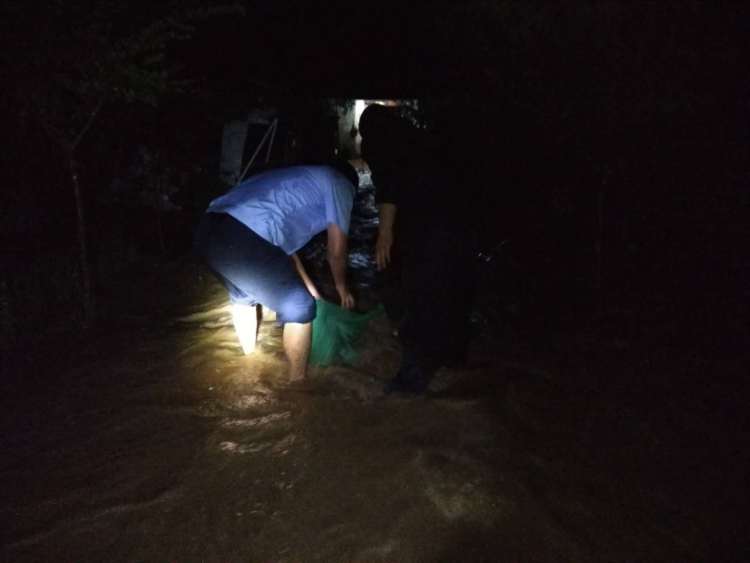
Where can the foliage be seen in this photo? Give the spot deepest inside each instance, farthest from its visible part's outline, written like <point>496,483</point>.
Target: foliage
<point>64,62</point>
<point>77,56</point>
<point>39,299</point>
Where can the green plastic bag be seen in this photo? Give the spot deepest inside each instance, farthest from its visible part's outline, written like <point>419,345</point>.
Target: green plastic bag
<point>335,332</point>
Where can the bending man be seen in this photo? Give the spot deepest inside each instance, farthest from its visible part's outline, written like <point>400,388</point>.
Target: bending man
<point>249,238</point>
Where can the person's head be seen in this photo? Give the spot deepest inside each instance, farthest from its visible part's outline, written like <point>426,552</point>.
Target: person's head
<point>376,119</point>
<point>382,131</point>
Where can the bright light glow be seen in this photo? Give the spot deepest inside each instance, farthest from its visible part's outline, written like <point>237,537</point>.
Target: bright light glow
<point>359,107</point>
<point>245,321</point>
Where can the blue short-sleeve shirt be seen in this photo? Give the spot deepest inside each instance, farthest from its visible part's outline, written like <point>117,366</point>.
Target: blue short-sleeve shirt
<point>289,206</point>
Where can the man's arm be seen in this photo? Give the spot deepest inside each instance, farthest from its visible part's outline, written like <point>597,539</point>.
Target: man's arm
<point>337,257</point>
<point>386,219</point>
<point>305,278</point>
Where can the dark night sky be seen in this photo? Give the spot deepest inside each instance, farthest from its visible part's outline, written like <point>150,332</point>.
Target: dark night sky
<point>449,47</point>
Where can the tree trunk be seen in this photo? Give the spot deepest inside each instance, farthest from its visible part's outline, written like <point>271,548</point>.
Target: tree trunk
<point>160,217</point>
<point>599,247</point>
<point>83,253</point>
<point>7,322</point>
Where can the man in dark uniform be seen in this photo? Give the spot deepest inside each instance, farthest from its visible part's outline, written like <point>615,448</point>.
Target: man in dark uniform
<point>424,239</point>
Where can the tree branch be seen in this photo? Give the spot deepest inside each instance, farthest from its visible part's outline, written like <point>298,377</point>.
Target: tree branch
<point>88,124</point>
<point>52,132</point>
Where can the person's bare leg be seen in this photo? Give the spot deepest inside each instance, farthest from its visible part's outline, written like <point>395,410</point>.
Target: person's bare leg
<point>297,340</point>
<point>259,317</point>
<point>245,319</point>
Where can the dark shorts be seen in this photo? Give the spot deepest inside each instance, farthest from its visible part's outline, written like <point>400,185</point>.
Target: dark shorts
<point>252,269</point>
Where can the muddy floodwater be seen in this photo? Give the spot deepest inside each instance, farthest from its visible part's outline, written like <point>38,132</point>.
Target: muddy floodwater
<point>154,439</point>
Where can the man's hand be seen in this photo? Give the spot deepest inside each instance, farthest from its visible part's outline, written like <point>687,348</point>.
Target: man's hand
<point>347,299</point>
<point>383,249</point>
<point>386,220</point>
<point>314,292</point>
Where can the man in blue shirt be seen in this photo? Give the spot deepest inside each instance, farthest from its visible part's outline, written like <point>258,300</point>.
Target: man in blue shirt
<point>249,238</point>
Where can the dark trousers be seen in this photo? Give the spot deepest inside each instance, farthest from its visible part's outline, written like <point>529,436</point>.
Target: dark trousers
<point>438,280</point>
<point>252,269</point>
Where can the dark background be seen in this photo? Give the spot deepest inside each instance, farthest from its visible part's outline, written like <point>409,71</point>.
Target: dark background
<point>606,141</point>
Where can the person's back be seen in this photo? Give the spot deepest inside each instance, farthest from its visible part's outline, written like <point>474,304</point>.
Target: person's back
<point>288,206</point>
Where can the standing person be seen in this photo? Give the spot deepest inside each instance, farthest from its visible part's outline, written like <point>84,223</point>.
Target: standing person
<point>249,238</point>
<point>424,245</point>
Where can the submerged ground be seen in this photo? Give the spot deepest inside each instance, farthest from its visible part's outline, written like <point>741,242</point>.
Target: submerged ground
<point>154,439</point>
